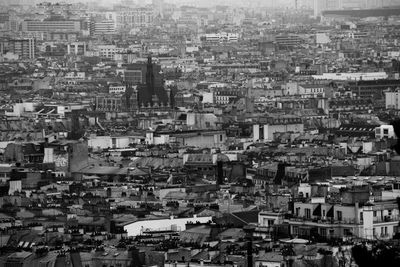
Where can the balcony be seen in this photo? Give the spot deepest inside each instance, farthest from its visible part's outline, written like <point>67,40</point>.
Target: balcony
<point>329,221</point>
<point>387,218</point>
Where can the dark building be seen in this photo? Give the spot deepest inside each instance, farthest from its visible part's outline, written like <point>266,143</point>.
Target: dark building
<point>127,102</point>
<point>363,13</point>
<point>373,89</point>
<point>355,130</point>
<point>150,85</point>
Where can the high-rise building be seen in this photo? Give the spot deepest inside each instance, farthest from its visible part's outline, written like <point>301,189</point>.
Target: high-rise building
<point>132,18</point>
<point>150,85</point>
<point>323,5</point>
<point>51,26</point>
<point>24,48</point>
<point>77,48</point>
<point>102,27</point>
<point>158,6</point>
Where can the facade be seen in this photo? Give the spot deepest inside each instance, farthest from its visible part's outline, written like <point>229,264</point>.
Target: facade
<point>51,26</point>
<point>108,51</point>
<point>77,48</point>
<point>385,131</point>
<point>287,41</point>
<point>24,48</point>
<point>311,90</point>
<point>224,96</point>
<point>222,37</point>
<point>118,103</point>
<point>266,131</point>
<point>150,85</point>
<point>102,27</point>
<point>176,224</point>
<point>132,18</point>
<point>373,89</point>
<point>376,221</point>
<point>116,89</point>
<point>392,99</point>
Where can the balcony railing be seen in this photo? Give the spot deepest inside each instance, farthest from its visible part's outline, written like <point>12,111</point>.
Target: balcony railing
<point>325,220</point>
<point>387,218</point>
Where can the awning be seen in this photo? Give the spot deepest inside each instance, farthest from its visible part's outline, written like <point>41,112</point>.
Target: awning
<point>317,211</point>
<point>330,213</point>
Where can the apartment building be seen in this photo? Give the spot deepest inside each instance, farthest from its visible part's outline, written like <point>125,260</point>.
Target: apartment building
<point>51,26</point>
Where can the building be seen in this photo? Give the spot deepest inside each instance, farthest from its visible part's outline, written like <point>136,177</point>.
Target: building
<point>102,27</point>
<point>134,18</point>
<point>77,48</point>
<point>158,6</point>
<point>116,89</point>
<point>108,51</point>
<point>150,84</point>
<point>51,26</point>
<point>119,102</point>
<point>177,224</point>
<point>222,37</point>
<point>356,76</point>
<point>191,138</point>
<point>392,99</point>
<point>265,130</point>
<point>224,96</point>
<point>370,221</point>
<point>323,5</point>
<point>311,90</point>
<point>385,131</point>
<point>24,48</point>
<point>287,41</point>
<point>375,89</point>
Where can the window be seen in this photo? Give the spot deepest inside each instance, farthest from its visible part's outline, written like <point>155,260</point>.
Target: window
<point>374,213</point>
<point>220,138</point>
<point>323,232</point>
<point>390,212</point>
<point>346,232</point>
<point>331,232</point>
<point>295,230</point>
<point>307,213</point>
<point>323,213</point>
<point>385,131</point>
<point>339,215</point>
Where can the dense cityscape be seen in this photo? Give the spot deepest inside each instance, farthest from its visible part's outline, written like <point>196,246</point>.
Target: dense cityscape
<point>199,133</point>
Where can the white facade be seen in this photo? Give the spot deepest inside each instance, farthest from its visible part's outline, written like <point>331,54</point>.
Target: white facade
<point>20,108</point>
<point>365,76</point>
<point>177,224</point>
<point>384,131</point>
<point>310,91</point>
<point>75,75</point>
<point>108,51</point>
<point>117,89</point>
<point>208,97</point>
<point>222,37</point>
<point>15,186</point>
<point>392,100</point>
<point>266,132</point>
<point>104,142</point>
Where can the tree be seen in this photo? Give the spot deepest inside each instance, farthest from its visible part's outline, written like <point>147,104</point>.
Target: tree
<point>379,255</point>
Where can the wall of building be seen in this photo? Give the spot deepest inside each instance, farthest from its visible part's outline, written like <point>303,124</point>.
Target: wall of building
<point>179,224</point>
